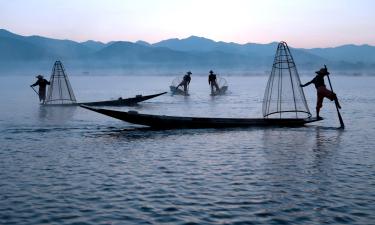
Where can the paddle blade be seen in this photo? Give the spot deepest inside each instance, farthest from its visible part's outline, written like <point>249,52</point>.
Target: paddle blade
<point>340,119</point>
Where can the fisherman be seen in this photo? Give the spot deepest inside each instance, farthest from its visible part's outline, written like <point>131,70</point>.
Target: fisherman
<point>321,89</point>
<point>212,82</point>
<point>42,87</point>
<point>185,81</point>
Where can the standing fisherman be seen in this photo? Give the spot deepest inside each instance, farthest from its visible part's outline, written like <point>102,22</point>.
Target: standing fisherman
<point>212,82</point>
<point>185,81</point>
<point>42,87</point>
<point>321,89</point>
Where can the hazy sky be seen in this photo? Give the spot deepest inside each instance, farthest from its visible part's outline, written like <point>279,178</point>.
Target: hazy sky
<point>302,23</point>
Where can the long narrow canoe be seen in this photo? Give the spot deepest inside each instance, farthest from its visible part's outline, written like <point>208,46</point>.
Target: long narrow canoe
<point>123,102</point>
<point>117,102</point>
<point>177,122</point>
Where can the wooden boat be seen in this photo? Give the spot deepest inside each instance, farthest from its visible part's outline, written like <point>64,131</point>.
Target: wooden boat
<point>123,102</point>
<point>117,102</point>
<point>177,122</point>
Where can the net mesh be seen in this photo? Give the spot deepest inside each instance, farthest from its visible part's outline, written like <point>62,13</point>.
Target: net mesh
<point>284,97</point>
<point>176,81</point>
<point>221,82</point>
<point>60,91</point>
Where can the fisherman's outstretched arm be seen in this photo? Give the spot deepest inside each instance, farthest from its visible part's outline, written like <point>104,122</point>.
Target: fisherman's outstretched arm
<point>308,83</point>
<point>35,84</point>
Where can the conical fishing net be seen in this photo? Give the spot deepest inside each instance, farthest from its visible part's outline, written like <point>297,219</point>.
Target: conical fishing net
<point>176,81</point>
<point>221,82</point>
<point>60,90</point>
<point>284,97</point>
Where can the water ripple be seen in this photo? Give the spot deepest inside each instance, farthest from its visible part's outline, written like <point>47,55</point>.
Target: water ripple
<point>83,168</point>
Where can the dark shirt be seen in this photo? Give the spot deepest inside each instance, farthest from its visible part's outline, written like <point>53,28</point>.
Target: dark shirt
<point>187,78</point>
<point>318,81</point>
<point>42,84</point>
<point>211,78</point>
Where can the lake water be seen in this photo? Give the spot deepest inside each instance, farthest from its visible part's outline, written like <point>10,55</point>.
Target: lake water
<point>68,165</point>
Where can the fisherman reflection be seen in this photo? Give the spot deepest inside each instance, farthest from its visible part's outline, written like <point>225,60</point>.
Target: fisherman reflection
<point>185,81</point>
<point>42,87</point>
<point>322,91</point>
<point>212,81</point>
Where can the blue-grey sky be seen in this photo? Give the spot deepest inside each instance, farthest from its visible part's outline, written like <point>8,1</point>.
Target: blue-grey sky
<point>302,23</point>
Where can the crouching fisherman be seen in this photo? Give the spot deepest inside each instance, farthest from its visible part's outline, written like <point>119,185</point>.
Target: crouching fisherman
<point>42,87</point>
<point>185,82</point>
<point>212,82</point>
<point>321,89</point>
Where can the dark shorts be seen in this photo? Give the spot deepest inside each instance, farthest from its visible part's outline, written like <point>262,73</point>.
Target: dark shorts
<point>42,94</point>
<point>322,93</point>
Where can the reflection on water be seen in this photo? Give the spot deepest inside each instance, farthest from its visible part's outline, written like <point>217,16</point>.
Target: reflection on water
<point>56,114</point>
<point>328,138</point>
<point>304,174</point>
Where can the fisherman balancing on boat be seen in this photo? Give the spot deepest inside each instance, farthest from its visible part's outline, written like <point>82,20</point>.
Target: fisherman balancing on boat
<point>42,87</point>
<point>321,89</point>
<point>212,82</point>
<point>185,81</point>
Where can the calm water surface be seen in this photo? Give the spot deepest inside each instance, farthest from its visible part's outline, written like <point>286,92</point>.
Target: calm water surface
<point>67,165</point>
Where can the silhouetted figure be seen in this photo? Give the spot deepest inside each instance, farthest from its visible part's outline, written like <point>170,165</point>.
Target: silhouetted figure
<point>185,82</point>
<point>321,89</point>
<point>212,82</point>
<point>42,87</point>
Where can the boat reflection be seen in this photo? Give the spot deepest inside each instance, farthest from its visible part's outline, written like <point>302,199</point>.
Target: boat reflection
<point>56,114</point>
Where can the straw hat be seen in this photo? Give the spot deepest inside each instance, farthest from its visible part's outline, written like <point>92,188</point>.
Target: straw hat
<point>322,71</point>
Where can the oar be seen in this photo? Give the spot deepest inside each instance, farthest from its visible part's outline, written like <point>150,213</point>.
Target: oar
<point>34,90</point>
<point>337,108</point>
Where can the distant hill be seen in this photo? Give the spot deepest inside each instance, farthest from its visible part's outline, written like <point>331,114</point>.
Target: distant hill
<point>191,52</point>
<point>192,43</point>
<point>94,45</point>
<point>349,53</point>
<point>143,43</point>
<point>137,53</point>
<point>12,49</point>
<point>63,49</point>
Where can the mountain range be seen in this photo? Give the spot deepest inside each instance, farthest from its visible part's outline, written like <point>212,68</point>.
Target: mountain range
<point>192,52</point>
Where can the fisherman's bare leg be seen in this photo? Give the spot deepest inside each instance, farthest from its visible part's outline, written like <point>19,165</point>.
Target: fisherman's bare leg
<point>317,113</point>
<point>319,104</point>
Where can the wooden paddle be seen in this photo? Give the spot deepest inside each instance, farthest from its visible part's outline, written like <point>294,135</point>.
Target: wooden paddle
<point>34,90</point>
<point>337,108</point>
